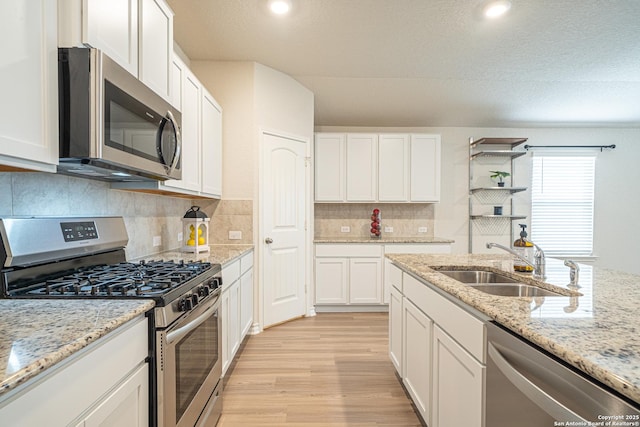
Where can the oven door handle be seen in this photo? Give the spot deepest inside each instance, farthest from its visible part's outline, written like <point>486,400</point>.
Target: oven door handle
<point>180,332</point>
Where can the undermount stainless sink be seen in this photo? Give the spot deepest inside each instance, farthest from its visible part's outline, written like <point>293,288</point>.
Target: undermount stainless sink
<point>514,290</point>
<point>494,283</point>
<point>477,276</point>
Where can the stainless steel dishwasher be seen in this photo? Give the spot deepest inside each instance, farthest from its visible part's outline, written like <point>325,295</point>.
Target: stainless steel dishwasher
<point>530,388</point>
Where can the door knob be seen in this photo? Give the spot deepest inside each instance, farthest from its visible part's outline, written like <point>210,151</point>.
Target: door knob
<point>268,240</point>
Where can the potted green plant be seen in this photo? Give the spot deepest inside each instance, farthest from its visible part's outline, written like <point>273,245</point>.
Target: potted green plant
<point>499,175</point>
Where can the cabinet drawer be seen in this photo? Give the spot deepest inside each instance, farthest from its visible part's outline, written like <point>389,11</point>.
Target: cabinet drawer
<point>418,248</point>
<point>360,251</point>
<point>246,262</point>
<point>230,273</point>
<point>463,327</point>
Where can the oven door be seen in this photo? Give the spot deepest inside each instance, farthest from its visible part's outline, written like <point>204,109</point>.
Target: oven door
<point>189,366</point>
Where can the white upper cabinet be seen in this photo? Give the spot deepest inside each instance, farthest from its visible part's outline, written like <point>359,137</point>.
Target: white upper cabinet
<point>425,168</point>
<point>211,135</point>
<point>156,45</point>
<point>330,167</point>
<point>137,34</point>
<point>362,165</point>
<point>29,86</point>
<point>356,167</point>
<point>393,168</point>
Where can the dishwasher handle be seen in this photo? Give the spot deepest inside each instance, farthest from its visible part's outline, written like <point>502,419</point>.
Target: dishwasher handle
<point>541,398</point>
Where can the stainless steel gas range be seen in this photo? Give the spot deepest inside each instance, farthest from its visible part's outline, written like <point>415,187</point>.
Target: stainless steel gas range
<point>69,258</point>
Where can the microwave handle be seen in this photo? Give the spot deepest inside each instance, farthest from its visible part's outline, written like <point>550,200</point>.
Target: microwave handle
<point>176,157</point>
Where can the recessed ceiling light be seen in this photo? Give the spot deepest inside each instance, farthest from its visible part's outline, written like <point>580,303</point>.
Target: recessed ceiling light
<point>280,7</point>
<point>497,8</point>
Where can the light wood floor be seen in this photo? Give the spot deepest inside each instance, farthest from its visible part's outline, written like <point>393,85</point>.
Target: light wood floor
<point>328,370</point>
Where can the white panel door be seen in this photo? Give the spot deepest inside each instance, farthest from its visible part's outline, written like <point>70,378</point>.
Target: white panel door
<point>458,384</point>
<point>329,163</point>
<point>112,26</point>
<point>393,168</point>
<point>29,85</point>
<point>395,329</point>
<point>211,164</point>
<point>332,280</point>
<point>365,280</point>
<point>425,168</point>
<point>283,222</point>
<point>362,167</point>
<point>156,45</point>
<point>416,365</point>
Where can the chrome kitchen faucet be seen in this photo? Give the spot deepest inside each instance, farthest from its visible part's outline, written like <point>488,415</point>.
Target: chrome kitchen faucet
<point>539,265</point>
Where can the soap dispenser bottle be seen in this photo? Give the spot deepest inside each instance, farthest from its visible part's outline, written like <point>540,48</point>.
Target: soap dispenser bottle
<point>525,249</point>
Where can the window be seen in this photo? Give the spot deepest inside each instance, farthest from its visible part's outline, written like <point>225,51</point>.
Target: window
<point>562,204</point>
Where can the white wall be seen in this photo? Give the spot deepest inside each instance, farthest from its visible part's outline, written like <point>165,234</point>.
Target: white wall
<point>616,194</point>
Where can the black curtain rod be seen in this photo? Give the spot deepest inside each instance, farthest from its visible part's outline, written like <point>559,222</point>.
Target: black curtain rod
<point>601,147</point>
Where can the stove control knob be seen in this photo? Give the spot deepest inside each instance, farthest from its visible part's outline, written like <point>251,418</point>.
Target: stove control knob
<point>215,283</point>
<point>203,291</point>
<point>194,299</point>
<point>185,304</point>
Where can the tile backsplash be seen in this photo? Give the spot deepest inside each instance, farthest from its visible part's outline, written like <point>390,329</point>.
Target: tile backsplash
<point>405,218</point>
<point>145,215</point>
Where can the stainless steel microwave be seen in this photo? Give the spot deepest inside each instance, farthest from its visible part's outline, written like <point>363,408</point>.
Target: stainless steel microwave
<point>112,126</point>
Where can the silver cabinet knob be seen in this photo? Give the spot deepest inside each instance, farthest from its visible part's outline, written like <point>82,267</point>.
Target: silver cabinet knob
<point>268,240</point>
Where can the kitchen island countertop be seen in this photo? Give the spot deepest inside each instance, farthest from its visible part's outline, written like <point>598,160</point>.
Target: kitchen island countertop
<point>596,333</point>
<point>36,334</point>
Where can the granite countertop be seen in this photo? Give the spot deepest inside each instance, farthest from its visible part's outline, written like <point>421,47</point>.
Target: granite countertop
<point>218,254</point>
<point>596,332</point>
<point>36,334</point>
<point>383,240</point>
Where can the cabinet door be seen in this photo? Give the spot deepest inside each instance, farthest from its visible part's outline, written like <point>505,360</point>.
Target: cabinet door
<point>393,168</point>
<point>365,280</point>
<point>395,329</point>
<point>425,168</point>
<point>458,384</point>
<point>128,405</point>
<point>332,275</point>
<point>190,162</point>
<point>234,319</point>
<point>416,350</point>
<point>112,26</point>
<point>362,167</point>
<point>246,302</point>
<point>29,85</point>
<point>211,164</point>
<point>330,167</point>
<point>156,45</point>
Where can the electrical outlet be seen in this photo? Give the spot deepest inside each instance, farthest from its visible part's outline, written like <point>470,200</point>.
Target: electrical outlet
<point>235,235</point>
<point>180,236</point>
<point>345,229</point>
<point>388,229</point>
<point>422,229</point>
<point>157,241</point>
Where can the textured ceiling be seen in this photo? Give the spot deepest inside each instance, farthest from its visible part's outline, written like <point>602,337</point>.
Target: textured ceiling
<point>436,62</point>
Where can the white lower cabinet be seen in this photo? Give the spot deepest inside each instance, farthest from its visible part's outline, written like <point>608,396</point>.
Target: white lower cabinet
<point>236,305</point>
<point>458,381</point>
<point>348,275</point>
<point>105,384</point>
<point>438,349</point>
<point>416,367</point>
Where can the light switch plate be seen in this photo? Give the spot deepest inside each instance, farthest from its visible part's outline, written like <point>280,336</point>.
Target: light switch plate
<point>157,241</point>
<point>388,229</point>
<point>180,236</point>
<point>235,235</point>
<point>345,229</point>
<point>422,229</point>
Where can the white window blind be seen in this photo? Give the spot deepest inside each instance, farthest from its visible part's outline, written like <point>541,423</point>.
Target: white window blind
<point>562,191</point>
